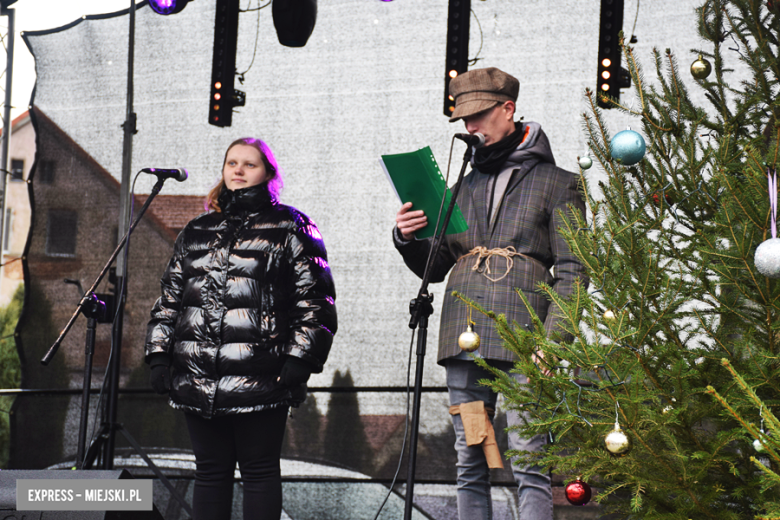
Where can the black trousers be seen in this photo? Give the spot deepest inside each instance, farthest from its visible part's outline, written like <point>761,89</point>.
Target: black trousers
<point>254,440</point>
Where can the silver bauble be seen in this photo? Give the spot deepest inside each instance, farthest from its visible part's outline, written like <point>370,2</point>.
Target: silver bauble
<point>585,162</point>
<point>767,258</point>
<point>627,147</point>
<point>469,340</point>
<point>617,442</point>
<point>758,446</point>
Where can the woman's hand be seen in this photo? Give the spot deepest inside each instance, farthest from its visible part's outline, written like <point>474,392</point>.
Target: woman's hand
<point>160,379</point>
<point>410,221</point>
<point>294,372</point>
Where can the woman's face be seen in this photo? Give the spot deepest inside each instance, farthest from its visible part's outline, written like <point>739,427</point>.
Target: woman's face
<point>243,167</point>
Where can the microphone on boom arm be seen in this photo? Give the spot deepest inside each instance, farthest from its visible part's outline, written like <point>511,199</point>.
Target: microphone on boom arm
<point>180,174</point>
<point>475,140</point>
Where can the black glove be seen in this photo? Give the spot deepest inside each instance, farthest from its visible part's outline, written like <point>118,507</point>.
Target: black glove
<point>294,372</point>
<point>160,378</point>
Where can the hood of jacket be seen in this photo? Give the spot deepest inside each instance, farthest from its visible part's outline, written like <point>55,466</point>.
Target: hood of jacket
<point>245,200</point>
<point>534,146</point>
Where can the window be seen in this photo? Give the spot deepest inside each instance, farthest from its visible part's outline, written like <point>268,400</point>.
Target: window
<point>61,229</point>
<point>44,172</point>
<point>17,169</point>
<point>9,225</point>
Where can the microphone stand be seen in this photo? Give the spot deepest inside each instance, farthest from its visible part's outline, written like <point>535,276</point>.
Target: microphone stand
<point>109,428</point>
<point>420,309</point>
<point>87,298</point>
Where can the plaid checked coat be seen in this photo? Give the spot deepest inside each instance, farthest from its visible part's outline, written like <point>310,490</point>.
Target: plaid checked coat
<point>527,219</point>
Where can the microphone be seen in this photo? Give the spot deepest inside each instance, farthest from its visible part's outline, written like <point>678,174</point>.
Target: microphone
<point>180,174</point>
<point>475,140</point>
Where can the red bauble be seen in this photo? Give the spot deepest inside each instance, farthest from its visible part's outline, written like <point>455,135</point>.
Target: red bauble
<point>578,492</point>
<point>657,198</point>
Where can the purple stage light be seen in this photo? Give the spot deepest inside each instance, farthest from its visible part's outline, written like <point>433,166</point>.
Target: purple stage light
<point>167,6</point>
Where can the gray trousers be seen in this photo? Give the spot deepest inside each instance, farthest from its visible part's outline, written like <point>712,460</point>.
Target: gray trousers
<point>534,490</point>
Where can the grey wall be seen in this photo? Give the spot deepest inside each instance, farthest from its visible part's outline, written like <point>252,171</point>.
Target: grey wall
<point>369,82</point>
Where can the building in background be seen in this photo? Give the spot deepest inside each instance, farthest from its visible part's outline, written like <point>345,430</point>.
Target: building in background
<point>17,213</point>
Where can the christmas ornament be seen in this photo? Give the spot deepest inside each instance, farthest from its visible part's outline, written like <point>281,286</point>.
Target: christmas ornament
<point>657,198</point>
<point>627,147</point>
<point>618,443</point>
<point>757,444</point>
<point>578,492</point>
<point>609,315</point>
<point>761,436</point>
<point>767,257</point>
<point>469,340</point>
<point>700,68</point>
<point>585,162</point>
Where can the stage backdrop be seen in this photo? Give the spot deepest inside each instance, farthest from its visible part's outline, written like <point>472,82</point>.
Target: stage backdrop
<point>369,82</point>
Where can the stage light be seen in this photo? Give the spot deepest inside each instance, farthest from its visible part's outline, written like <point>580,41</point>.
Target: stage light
<point>4,5</point>
<point>167,6</point>
<point>294,21</point>
<point>223,65</point>
<point>457,57</point>
<point>611,76</point>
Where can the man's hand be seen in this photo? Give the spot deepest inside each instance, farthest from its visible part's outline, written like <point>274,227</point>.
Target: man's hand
<point>538,358</point>
<point>410,221</point>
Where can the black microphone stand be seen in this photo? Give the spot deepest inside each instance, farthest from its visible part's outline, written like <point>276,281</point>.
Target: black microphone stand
<point>105,437</point>
<point>420,309</point>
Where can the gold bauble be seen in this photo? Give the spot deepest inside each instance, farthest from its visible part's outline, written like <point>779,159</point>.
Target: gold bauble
<point>617,442</point>
<point>700,68</point>
<point>469,340</point>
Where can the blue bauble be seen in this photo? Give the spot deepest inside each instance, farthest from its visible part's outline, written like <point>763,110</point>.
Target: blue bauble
<point>627,147</point>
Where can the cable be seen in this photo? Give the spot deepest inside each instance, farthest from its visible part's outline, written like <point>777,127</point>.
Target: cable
<point>406,425</point>
<point>119,296</point>
<point>441,208</point>
<point>636,16</point>
<point>257,36</point>
<point>476,58</point>
<point>256,8</point>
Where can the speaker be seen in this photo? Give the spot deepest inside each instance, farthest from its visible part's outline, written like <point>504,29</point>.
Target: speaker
<point>8,511</point>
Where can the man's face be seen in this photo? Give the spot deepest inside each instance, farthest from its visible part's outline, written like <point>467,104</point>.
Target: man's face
<point>494,123</point>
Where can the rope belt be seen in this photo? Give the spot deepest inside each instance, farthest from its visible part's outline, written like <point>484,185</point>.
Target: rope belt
<point>479,430</point>
<point>483,252</point>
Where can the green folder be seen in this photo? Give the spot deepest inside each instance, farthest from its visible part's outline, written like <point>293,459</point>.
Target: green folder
<point>416,178</point>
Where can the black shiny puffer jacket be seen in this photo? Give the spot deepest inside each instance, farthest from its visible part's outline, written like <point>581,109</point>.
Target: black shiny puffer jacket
<point>245,288</point>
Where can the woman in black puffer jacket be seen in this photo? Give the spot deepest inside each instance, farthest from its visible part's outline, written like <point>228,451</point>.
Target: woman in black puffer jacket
<point>247,313</point>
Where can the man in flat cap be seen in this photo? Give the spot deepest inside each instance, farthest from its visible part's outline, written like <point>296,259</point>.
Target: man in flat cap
<point>513,201</point>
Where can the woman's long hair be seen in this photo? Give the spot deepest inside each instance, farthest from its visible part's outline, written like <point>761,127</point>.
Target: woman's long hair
<point>272,170</point>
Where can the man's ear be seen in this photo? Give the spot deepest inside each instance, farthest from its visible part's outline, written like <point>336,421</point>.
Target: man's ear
<point>509,110</point>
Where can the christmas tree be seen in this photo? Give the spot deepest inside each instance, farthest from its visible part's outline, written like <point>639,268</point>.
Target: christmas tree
<point>674,369</point>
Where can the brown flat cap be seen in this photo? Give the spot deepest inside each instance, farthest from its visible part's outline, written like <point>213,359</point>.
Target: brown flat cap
<point>479,89</point>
